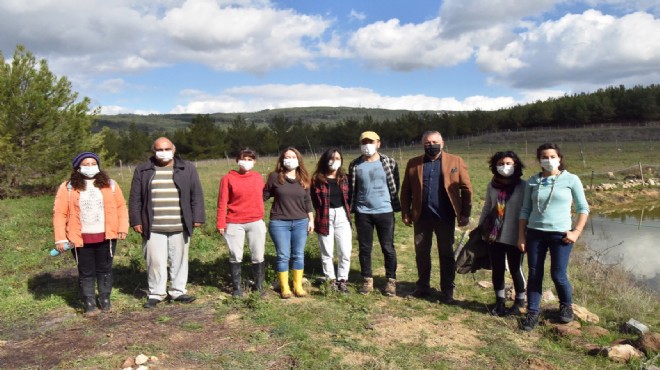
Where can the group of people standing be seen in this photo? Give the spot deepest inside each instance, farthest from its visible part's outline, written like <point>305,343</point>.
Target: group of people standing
<point>166,204</point>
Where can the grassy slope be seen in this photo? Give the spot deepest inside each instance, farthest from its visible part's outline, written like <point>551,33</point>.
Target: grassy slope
<point>326,330</point>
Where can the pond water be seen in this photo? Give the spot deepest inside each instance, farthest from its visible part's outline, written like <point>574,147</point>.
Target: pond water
<point>631,239</point>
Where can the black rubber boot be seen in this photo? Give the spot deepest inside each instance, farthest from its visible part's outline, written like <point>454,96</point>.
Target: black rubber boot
<point>236,280</point>
<point>518,305</point>
<point>259,271</point>
<point>500,308</point>
<point>87,294</point>
<point>104,282</point>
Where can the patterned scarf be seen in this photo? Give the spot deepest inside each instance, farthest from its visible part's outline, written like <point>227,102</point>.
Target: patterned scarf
<point>495,218</point>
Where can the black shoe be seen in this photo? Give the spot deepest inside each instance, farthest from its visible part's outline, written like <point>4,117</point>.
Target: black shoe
<point>259,271</point>
<point>104,282</point>
<point>237,291</point>
<point>184,298</point>
<point>151,303</point>
<point>529,322</point>
<point>447,297</point>
<point>515,310</point>
<point>565,313</point>
<point>421,292</point>
<point>500,308</point>
<point>89,307</point>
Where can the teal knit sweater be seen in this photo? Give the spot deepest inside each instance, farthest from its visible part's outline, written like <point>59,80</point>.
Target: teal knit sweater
<point>555,208</point>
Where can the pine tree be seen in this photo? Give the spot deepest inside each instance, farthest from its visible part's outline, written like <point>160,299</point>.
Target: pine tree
<point>42,125</point>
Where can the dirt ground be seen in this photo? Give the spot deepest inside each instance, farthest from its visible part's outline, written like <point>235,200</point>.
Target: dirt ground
<point>172,331</point>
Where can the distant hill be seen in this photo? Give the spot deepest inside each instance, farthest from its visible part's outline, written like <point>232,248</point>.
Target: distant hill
<point>312,115</point>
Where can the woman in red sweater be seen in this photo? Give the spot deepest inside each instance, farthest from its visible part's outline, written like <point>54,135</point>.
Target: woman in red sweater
<point>241,213</point>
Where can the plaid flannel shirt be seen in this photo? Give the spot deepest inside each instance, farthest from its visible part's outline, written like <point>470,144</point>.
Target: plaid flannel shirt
<point>391,173</point>
<point>321,202</point>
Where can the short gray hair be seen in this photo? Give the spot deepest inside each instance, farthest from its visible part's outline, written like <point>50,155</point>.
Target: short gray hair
<point>429,133</point>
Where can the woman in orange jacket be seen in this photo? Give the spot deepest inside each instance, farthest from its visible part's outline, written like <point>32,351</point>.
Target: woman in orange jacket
<point>89,216</point>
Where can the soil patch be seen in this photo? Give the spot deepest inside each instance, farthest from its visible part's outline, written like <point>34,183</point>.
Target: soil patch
<point>180,336</point>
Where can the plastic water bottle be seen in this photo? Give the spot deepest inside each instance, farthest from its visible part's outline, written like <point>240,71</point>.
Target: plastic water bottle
<point>54,252</point>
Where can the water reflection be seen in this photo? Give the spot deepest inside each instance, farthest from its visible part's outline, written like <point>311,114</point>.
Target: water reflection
<point>628,238</point>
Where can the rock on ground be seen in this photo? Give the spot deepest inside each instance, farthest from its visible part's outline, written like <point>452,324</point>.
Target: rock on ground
<point>623,353</point>
<point>585,315</point>
<point>595,331</point>
<point>649,343</point>
<point>141,359</point>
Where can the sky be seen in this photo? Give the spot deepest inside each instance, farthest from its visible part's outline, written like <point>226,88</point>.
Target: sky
<point>233,56</point>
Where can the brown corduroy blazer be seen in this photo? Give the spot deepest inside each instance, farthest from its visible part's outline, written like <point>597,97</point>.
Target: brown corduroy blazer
<point>457,183</point>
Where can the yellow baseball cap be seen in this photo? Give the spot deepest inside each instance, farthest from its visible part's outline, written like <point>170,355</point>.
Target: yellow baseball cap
<point>369,135</point>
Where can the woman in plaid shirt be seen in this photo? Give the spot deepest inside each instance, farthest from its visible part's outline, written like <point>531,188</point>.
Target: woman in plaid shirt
<point>332,221</point>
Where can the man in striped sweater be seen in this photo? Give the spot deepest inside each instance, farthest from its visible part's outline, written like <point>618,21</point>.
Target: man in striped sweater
<point>165,205</point>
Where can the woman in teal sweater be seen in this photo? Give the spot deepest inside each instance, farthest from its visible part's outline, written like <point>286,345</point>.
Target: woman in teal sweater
<point>545,226</point>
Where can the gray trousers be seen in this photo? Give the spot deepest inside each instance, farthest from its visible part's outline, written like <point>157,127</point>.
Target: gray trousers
<point>160,249</point>
<point>235,238</point>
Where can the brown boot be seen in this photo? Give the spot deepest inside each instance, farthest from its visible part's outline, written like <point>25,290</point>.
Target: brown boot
<point>367,286</point>
<point>390,288</point>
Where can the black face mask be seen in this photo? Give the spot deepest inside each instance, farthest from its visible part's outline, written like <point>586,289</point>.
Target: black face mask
<point>432,150</point>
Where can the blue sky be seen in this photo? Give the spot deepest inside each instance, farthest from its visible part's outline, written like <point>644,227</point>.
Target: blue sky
<point>207,56</point>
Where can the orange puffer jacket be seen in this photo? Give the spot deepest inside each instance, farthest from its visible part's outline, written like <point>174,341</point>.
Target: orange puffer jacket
<point>66,214</point>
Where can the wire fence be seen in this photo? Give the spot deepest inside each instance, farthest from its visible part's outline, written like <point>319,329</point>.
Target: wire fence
<point>636,175</point>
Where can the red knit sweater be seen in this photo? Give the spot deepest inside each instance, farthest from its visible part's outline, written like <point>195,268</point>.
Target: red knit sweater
<point>240,198</point>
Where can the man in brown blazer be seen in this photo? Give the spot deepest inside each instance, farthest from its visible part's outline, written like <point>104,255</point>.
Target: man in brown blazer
<point>436,190</point>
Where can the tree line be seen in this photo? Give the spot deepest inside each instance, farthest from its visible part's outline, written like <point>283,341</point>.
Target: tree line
<point>204,139</point>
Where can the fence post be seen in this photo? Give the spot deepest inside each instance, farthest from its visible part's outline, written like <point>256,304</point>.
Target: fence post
<point>591,185</point>
<point>641,173</point>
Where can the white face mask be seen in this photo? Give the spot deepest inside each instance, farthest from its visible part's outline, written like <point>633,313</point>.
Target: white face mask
<point>89,171</point>
<point>290,163</point>
<point>165,155</point>
<point>505,170</point>
<point>550,165</point>
<point>334,165</point>
<point>246,165</point>
<point>368,149</point>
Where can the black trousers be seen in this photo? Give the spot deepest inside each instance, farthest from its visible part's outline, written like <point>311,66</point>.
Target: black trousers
<point>443,229</point>
<point>384,225</point>
<point>95,259</point>
<point>499,254</point>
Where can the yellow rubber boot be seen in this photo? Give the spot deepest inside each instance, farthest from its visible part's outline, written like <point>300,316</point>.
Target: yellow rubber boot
<point>297,283</point>
<point>285,292</point>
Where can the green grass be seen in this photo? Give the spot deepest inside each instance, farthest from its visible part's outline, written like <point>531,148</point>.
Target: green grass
<point>326,330</point>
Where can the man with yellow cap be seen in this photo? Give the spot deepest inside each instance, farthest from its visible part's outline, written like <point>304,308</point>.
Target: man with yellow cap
<point>373,195</point>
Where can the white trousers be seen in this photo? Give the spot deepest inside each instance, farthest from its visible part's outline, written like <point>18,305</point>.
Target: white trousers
<point>160,249</point>
<point>256,236</point>
<point>340,231</point>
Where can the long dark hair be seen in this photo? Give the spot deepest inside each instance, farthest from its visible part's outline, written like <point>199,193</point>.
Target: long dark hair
<point>547,146</point>
<point>301,173</point>
<point>517,163</point>
<point>77,180</point>
<point>322,168</point>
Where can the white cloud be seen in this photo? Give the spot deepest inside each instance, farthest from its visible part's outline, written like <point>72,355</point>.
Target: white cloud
<point>242,39</point>
<point>272,96</point>
<point>123,35</point>
<point>464,16</point>
<point>117,109</point>
<point>114,85</point>
<point>408,46</point>
<point>590,49</point>
<point>357,16</point>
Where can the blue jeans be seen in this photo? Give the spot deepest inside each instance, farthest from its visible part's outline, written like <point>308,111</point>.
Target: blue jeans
<point>537,245</point>
<point>289,237</point>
